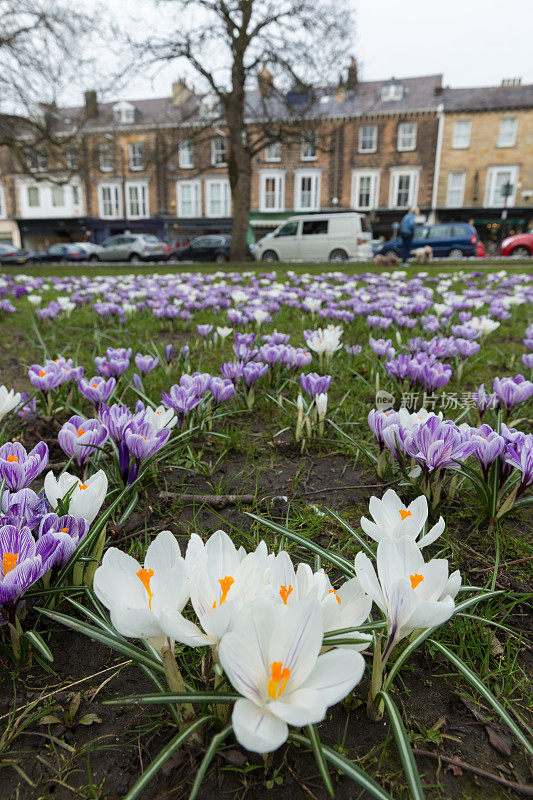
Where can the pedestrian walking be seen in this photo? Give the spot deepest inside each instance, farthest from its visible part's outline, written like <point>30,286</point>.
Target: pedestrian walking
<point>407,231</point>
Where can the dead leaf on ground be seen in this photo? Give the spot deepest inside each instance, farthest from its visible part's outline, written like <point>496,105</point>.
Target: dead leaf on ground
<point>455,769</point>
<point>499,741</point>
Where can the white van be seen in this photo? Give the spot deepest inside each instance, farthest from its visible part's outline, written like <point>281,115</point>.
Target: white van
<point>337,236</point>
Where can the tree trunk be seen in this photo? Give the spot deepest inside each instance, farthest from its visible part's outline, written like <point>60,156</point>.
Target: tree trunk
<point>239,161</point>
<point>240,182</point>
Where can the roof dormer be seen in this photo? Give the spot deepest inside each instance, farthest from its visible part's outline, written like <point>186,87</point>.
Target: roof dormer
<point>393,89</point>
<point>124,113</point>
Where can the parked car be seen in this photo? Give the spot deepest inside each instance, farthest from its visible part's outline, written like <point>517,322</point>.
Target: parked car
<point>215,247</point>
<point>318,237</point>
<point>92,250</point>
<point>446,239</point>
<point>134,247</point>
<point>9,254</point>
<point>61,252</point>
<point>520,245</point>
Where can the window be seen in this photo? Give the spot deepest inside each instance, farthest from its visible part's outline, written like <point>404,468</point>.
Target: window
<point>124,113</point>
<point>3,210</point>
<point>110,200</point>
<point>307,191</point>
<point>501,186</point>
<point>403,188</point>
<point>186,154</point>
<point>456,189</point>
<point>106,159</point>
<point>218,198</point>
<point>308,146</point>
<point>392,91</point>
<point>188,197</point>
<point>33,196</point>
<point>136,156</point>
<point>137,204</point>
<point>314,227</point>
<point>440,232</point>
<point>407,136</point>
<point>368,139</point>
<point>72,156</point>
<point>365,189</point>
<point>273,151</point>
<point>461,134</point>
<point>37,160</point>
<point>272,191</point>
<point>75,195</point>
<point>289,229</point>
<point>507,132</point>
<point>218,151</point>
<point>58,196</point>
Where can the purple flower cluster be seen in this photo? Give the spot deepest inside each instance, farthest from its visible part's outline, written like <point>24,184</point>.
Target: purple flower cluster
<point>80,437</point>
<point>53,374</point>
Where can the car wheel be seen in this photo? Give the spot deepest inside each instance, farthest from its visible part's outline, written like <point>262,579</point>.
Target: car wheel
<point>220,258</point>
<point>269,255</point>
<point>456,253</point>
<point>338,255</point>
<point>521,252</point>
<point>134,259</point>
<point>94,259</point>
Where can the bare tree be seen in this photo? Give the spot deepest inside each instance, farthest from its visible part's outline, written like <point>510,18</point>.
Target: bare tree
<point>225,43</point>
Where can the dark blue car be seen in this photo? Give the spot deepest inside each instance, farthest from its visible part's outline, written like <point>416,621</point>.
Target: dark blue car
<point>446,239</point>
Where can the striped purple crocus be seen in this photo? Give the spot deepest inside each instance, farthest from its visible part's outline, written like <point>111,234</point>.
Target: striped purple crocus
<point>315,384</point>
<point>67,530</point>
<point>19,468</point>
<point>22,562</point>
<point>97,389</point>
<point>511,391</point>
<point>143,440</point>
<point>145,364</point>
<point>80,437</point>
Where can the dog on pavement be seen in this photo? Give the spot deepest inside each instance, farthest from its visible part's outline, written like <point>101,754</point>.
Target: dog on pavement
<point>423,255</point>
<point>389,260</point>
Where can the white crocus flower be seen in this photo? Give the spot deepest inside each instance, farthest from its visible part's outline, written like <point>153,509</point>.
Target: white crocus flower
<point>393,519</point>
<point>34,299</point>
<point>9,399</point>
<point>272,659</point>
<point>222,579</point>
<point>411,593</point>
<point>160,417</point>
<point>136,596</point>
<point>260,315</point>
<point>321,402</point>
<point>86,497</point>
<point>223,331</point>
<point>409,420</point>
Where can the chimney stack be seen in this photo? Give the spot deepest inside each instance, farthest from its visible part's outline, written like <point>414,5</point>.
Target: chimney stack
<point>265,82</point>
<point>352,80</point>
<point>91,104</point>
<point>180,93</point>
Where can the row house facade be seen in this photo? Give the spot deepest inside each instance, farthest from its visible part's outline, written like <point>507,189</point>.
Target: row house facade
<point>159,165</point>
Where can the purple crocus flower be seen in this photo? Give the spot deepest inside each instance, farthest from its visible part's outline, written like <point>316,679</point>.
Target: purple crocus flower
<point>253,371</point>
<point>118,352</point>
<point>434,376</point>
<point>381,347</point>
<point>520,456</point>
<point>438,445</point>
<point>244,353</point>
<point>204,330</point>
<point>111,367</point>
<point>379,420</point>
<point>46,377</point>
<point>221,389</point>
<point>232,371</point>
<point>169,349</point>
<point>527,360</point>
<point>145,364</point>
<point>115,418</point>
<point>20,468</point>
<point>28,406</point>
<point>22,562</point>
<point>24,504</point>
<point>483,400</point>
<point>185,350</point>
<point>511,391</point>
<point>198,382</point>
<point>276,337</point>
<point>67,530</point>
<point>315,384</point>
<point>142,439</point>
<point>97,389</point>
<point>137,382</point>
<point>353,349</point>
<point>489,445</point>
<point>80,437</point>
<point>182,400</point>
<point>465,348</point>
<point>247,339</point>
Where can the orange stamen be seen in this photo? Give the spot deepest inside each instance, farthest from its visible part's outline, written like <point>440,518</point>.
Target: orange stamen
<point>404,514</point>
<point>63,530</point>
<point>225,584</point>
<point>144,576</point>
<point>9,561</point>
<point>285,591</point>
<point>332,591</point>
<point>80,431</point>
<point>415,580</point>
<point>11,459</point>
<point>82,485</point>
<point>278,679</point>
<point>42,373</point>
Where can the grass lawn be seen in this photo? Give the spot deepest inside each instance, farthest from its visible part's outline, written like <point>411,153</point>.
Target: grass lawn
<point>60,740</point>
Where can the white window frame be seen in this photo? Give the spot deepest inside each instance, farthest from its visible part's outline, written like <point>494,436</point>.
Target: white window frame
<point>219,147</point>
<point>316,178</point>
<point>31,189</point>
<point>407,142</point>
<point>272,152</point>
<point>56,188</point>
<point>117,189</point>
<point>309,146</point>
<point>395,174</point>
<point>451,190</point>
<point>124,113</point>
<point>392,91</point>
<point>278,176</point>
<point>374,175</point>
<point>106,157</point>
<point>461,141</point>
<point>142,201</point>
<point>374,145</point>
<point>186,154</point>
<point>196,198</point>
<point>136,156</point>
<point>225,197</point>
<point>492,172</point>
<point>507,139</point>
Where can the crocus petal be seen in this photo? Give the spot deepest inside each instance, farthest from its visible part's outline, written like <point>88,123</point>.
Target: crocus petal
<point>256,729</point>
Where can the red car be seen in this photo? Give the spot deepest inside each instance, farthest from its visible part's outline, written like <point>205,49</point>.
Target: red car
<point>520,245</point>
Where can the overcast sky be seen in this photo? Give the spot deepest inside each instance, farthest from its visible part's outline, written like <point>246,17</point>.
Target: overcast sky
<point>472,42</point>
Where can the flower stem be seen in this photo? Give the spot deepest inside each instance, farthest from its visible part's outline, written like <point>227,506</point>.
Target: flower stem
<point>175,682</point>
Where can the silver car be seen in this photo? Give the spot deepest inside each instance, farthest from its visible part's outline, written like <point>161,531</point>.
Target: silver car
<point>133,248</point>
